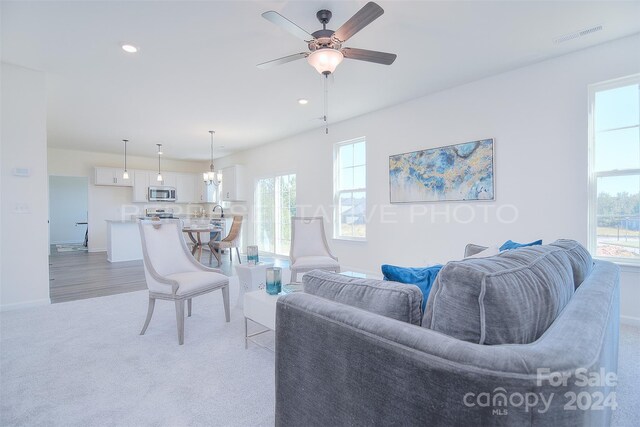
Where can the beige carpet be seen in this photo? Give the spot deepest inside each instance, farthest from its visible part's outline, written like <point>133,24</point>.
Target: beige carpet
<point>628,392</point>
<point>82,363</point>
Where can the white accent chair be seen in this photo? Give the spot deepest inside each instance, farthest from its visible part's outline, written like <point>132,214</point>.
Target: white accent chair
<point>309,248</point>
<point>173,274</point>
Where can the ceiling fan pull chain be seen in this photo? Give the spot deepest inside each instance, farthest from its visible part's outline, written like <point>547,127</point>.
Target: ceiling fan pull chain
<point>326,104</point>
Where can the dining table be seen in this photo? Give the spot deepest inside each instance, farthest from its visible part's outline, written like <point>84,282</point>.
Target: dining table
<point>194,232</point>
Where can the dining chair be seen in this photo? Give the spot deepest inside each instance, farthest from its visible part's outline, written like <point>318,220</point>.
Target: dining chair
<point>309,249</point>
<point>231,241</point>
<point>173,274</point>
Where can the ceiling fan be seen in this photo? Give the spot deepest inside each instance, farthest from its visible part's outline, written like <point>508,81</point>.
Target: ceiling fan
<point>325,46</point>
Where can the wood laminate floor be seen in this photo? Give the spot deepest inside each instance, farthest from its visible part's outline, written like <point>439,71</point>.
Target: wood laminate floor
<point>79,275</point>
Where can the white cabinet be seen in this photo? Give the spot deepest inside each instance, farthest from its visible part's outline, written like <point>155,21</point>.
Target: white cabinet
<point>169,179</point>
<point>232,184</point>
<point>211,194</point>
<point>141,185</point>
<point>208,192</point>
<point>112,176</point>
<point>185,188</point>
<point>204,192</point>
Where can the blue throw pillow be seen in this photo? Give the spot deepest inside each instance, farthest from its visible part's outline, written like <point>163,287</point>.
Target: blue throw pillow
<point>510,244</point>
<point>421,277</point>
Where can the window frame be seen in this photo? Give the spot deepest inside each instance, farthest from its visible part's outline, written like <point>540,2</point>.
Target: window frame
<point>593,175</point>
<point>337,192</point>
<point>276,200</point>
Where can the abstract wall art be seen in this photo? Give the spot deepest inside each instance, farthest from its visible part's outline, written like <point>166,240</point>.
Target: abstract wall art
<point>452,173</point>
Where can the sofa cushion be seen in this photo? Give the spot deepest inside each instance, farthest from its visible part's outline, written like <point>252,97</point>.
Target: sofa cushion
<point>422,277</point>
<point>510,298</point>
<point>580,258</point>
<point>395,300</point>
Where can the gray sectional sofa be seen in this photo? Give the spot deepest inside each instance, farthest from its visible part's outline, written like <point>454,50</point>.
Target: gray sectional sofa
<point>527,337</point>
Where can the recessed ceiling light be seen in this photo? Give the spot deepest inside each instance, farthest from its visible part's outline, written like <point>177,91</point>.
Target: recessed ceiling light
<point>129,48</point>
<point>303,101</point>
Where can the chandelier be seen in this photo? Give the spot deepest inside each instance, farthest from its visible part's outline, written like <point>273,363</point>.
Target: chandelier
<point>211,177</point>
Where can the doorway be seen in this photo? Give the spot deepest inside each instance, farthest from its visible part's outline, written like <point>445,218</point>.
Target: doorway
<point>68,214</point>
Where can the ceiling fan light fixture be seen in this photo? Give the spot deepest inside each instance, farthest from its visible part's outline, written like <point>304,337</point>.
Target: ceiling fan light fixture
<point>325,60</point>
<point>129,48</point>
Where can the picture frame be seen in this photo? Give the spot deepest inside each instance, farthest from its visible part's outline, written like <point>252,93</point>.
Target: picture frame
<point>452,173</point>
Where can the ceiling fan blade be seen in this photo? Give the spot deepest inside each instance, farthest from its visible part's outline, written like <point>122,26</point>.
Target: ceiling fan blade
<point>365,16</point>
<point>282,60</point>
<point>369,55</point>
<point>287,25</point>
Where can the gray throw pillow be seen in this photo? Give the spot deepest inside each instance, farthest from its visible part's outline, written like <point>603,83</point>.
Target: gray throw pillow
<point>391,299</point>
<point>510,298</point>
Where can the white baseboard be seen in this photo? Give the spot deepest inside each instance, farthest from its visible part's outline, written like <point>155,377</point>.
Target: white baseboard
<point>97,250</point>
<point>26,304</point>
<point>629,320</point>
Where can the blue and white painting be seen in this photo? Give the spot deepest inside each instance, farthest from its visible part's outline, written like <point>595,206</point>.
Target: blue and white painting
<point>452,173</point>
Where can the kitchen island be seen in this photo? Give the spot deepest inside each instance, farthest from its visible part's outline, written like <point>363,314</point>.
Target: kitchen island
<point>123,241</point>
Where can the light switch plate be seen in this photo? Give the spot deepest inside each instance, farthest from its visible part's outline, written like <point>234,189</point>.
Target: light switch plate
<point>22,208</point>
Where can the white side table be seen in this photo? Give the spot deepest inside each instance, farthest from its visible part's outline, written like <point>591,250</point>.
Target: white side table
<point>252,278</point>
<point>259,307</point>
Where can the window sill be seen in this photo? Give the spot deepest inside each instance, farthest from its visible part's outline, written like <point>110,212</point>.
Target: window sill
<point>624,265</point>
<point>351,239</point>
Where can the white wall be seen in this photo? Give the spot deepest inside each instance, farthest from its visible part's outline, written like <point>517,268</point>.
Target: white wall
<point>24,233</point>
<point>538,117</point>
<point>106,202</point>
<point>68,205</point>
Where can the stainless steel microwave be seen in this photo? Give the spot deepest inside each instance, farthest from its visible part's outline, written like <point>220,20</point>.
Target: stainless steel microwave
<point>162,194</point>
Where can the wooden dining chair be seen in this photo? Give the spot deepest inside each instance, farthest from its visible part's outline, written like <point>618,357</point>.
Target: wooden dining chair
<point>231,241</point>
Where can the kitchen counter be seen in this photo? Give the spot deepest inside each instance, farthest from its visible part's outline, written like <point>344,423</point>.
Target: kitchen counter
<point>123,241</point>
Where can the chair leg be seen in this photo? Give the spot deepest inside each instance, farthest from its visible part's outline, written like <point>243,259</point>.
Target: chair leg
<point>152,304</point>
<point>225,300</point>
<point>231,255</point>
<point>215,253</point>
<point>189,307</point>
<point>180,319</point>
<point>238,253</point>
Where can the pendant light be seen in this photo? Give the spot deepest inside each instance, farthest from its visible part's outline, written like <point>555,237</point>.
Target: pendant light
<point>125,175</point>
<point>211,177</point>
<point>159,153</point>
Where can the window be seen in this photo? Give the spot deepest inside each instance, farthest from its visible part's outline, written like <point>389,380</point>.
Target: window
<point>614,170</point>
<point>350,190</point>
<point>275,204</point>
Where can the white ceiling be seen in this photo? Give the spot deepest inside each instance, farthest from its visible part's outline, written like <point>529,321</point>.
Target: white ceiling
<point>196,67</point>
